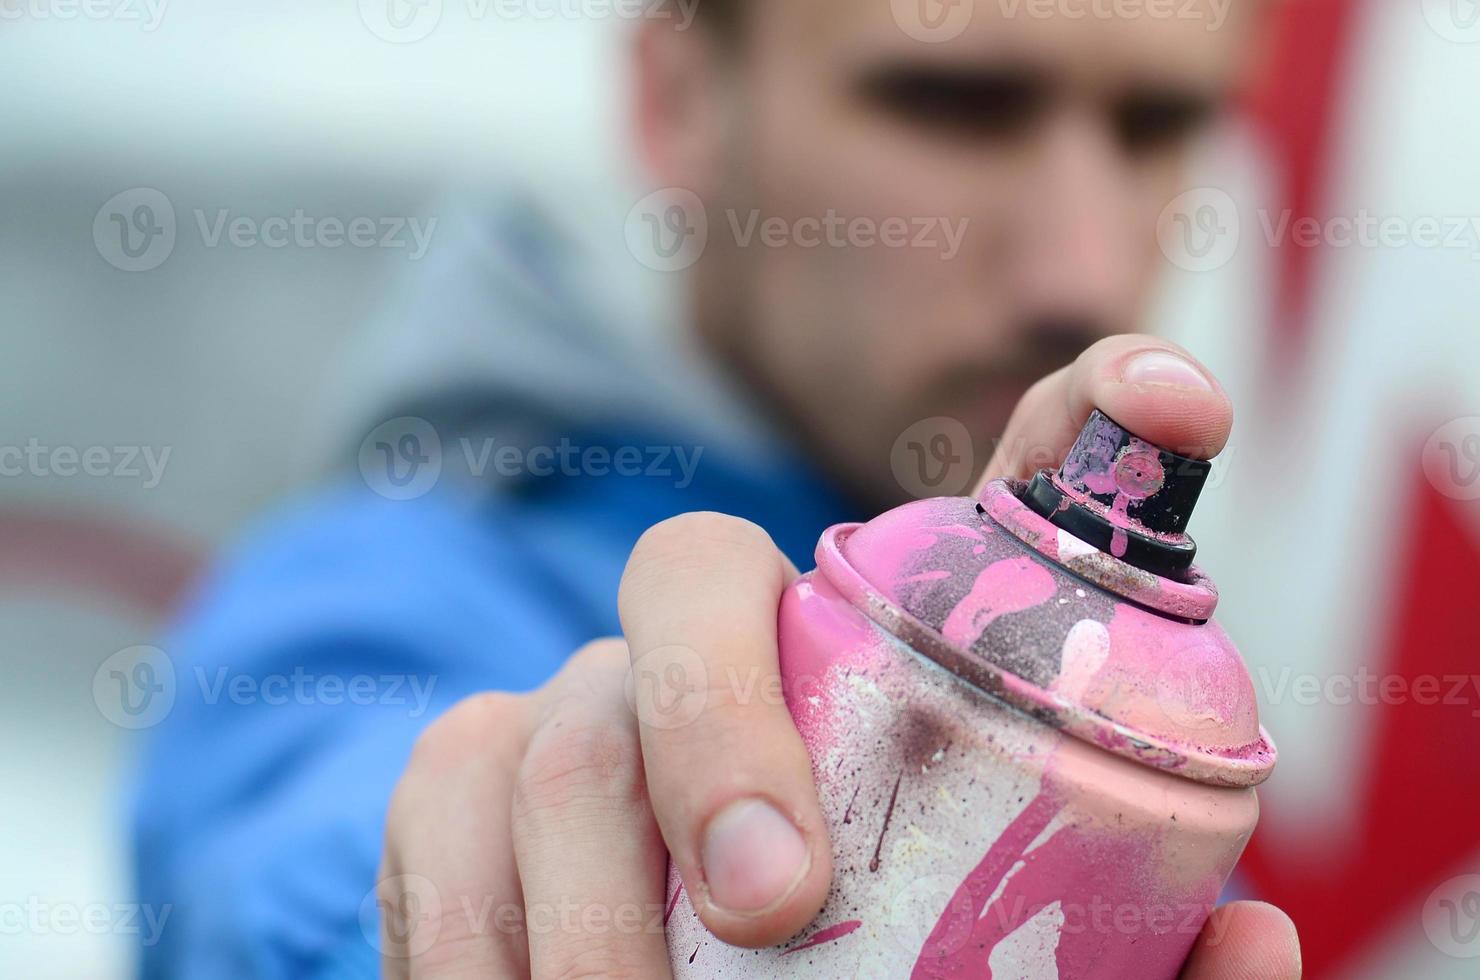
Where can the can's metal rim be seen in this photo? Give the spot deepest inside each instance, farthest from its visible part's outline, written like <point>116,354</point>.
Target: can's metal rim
<point>1246,765</point>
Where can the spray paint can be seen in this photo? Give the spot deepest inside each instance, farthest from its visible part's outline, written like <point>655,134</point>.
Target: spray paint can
<point>1035,750</point>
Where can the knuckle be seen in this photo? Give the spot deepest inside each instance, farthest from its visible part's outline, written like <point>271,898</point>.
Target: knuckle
<point>467,732</point>
<point>706,526</point>
<point>1040,392</point>
<point>601,658</point>
<point>682,545</point>
<point>579,763</point>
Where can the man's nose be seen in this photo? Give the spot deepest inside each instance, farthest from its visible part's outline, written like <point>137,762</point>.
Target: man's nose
<point>1078,253</point>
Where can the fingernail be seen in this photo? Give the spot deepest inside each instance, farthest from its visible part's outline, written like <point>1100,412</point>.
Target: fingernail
<point>1159,367</point>
<point>754,857</point>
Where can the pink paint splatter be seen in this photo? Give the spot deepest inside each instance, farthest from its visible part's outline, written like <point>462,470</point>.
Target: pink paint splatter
<point>1008,586</point>
<point>1085,651</point>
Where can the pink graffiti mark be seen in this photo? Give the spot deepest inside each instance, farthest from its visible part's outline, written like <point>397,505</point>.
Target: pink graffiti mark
<point>827,935</point>
<point>954,949</point>
<point>673,903</point>
<point>1079,870</point>
<point>1008,586</point>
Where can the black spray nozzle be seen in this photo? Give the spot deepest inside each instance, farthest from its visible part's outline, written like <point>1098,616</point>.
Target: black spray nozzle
<point>1125,496</point>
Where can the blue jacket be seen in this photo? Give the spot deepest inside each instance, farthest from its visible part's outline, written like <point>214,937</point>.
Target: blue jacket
<point>311,659</point>
<point>317,653</point>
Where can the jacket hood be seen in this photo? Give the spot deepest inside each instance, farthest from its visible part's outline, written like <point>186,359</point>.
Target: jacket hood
<point>527,319</point>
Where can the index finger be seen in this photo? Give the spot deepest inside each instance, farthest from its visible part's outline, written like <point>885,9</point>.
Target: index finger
<point>729,778</point>
<point>1151,387</point>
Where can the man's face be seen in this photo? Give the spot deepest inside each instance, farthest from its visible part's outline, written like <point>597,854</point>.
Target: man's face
<point>935,224</point>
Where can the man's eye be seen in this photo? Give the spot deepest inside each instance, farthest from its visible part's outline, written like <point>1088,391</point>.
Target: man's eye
<point>1147,123</point>
<point>965,104</point>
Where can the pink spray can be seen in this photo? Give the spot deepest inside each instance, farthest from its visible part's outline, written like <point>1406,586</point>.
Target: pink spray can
<point>1035,750</point>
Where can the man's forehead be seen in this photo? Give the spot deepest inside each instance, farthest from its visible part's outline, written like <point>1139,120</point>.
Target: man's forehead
<point>1187,39</point>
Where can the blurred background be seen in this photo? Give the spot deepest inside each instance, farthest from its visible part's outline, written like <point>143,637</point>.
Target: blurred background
<point>157,403</point>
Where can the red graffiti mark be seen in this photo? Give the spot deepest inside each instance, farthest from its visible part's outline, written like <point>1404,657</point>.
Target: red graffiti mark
<point>673,903</point>
<point>139,568</point>
<point>827,935</point>
<point>1298,104</point>
<point>1418,813</point>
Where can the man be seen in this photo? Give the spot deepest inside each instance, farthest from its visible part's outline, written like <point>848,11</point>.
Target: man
<point>1051,141</point>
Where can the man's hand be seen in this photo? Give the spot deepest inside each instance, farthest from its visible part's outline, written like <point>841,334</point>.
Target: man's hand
<point>541,825</point>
